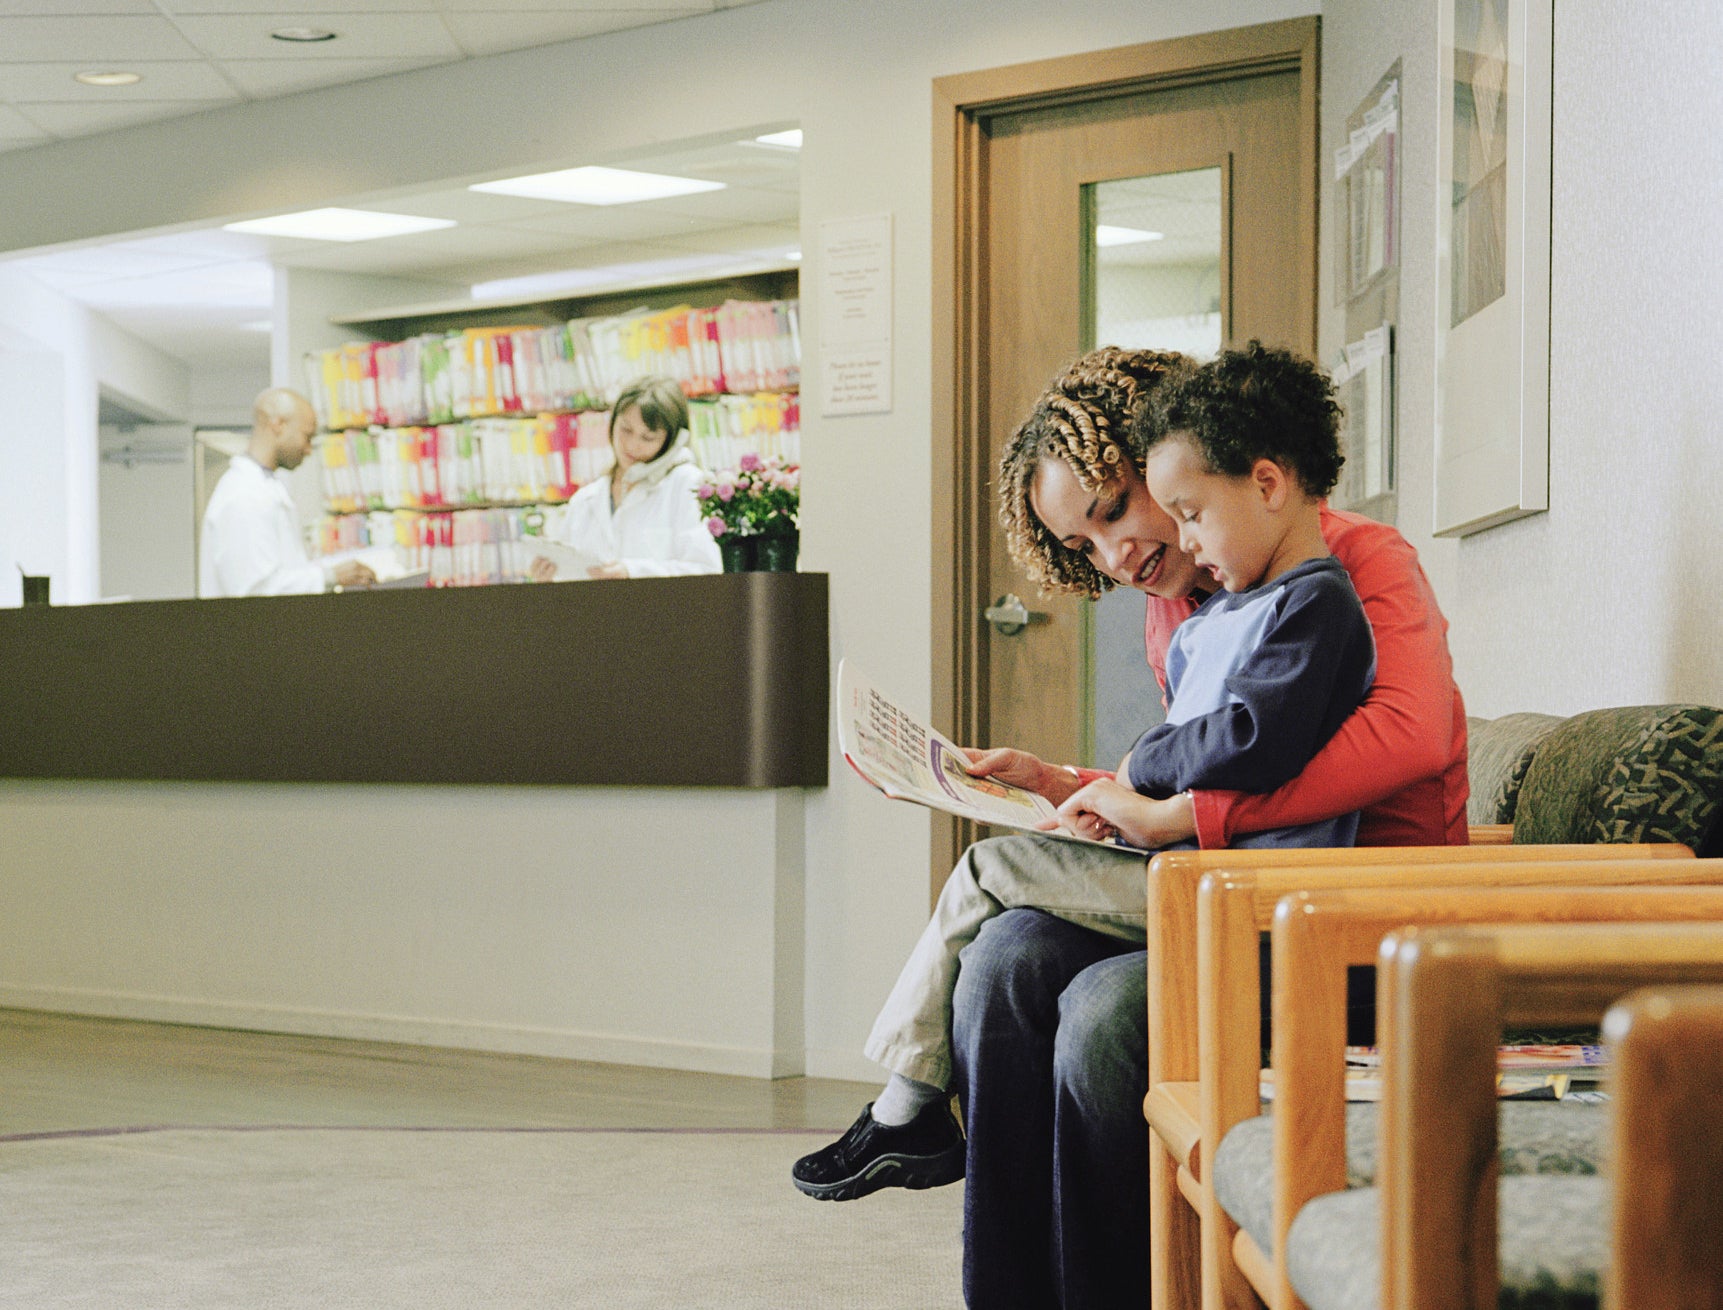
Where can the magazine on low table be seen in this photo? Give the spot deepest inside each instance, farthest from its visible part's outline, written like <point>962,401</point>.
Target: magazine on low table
<point>903,758</point>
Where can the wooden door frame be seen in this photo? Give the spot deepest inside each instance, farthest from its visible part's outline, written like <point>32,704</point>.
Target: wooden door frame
<point>962,509</point>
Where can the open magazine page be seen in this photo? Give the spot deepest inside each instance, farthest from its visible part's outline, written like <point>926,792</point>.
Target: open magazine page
<point>571,563</point>
<point>384,562</point>
<point>907,760</point>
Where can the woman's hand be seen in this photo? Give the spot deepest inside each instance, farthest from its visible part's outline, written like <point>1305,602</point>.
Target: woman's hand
<point>608,572</point>
<point>1105,809</point>
<point>1021,769</point>
<point>541,569</point>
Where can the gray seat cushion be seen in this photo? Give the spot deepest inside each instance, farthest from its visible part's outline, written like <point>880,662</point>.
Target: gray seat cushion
<point>1631,774</point>
<point>1553,1250</point>
<point>1536,1137</point>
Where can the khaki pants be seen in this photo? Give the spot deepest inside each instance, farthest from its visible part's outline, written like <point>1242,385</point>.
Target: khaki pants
<point>1091,886</point>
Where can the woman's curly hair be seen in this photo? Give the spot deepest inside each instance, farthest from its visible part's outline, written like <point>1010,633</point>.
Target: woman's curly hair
<point>1255,402</point>
<point>1093,416</point>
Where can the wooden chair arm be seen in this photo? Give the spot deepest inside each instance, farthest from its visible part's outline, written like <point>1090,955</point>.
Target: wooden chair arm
<point>1666,1086</point>
<point>1445,996</point>
<point>1490,834</point>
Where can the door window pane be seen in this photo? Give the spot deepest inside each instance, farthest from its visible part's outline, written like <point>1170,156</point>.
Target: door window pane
<point>1155,251</point>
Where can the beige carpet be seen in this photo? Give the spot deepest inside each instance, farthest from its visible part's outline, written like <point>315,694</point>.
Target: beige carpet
<point>189,1219</point>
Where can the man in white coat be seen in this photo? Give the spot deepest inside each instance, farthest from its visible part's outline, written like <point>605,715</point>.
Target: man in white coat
<point>252,543</point>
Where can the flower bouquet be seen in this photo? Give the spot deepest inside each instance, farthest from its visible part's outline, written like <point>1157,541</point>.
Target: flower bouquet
<point>753,512</point>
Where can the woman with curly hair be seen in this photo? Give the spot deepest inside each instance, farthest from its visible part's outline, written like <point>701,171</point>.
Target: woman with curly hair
<point>1048,1048</point>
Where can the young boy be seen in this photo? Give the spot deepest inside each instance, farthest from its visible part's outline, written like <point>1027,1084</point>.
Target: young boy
<point>1240,452</point>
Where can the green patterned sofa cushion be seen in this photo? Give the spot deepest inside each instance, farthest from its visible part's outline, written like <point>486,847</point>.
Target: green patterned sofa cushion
<point>1554,1246</point>
<point>1498,753</point>
<point>1632,774</point>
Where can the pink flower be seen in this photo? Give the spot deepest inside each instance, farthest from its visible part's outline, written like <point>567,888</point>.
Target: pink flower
<point>726,492</point>
<point>705,490</point>
<point>750,462</point>
<point>715,526</point>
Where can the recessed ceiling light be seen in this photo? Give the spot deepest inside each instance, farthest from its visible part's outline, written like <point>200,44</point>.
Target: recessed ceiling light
<point>790,140</point>
<point>108,79</point>
<point>338,225</point>
<point>1107,235</point>
<point>302,34</point>
<point>597,186</point>
<point>795,255</point>
<point>258,325</point>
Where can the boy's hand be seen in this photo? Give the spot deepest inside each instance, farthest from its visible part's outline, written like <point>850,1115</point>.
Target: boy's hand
<point>1021,769</point>
<point>1105,809</point>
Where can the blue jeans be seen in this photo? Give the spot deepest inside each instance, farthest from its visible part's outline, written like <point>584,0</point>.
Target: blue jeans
<point>1050,1048</point>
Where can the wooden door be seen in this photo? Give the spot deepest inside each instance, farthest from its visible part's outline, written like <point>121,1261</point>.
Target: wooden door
<point>1024,169</point>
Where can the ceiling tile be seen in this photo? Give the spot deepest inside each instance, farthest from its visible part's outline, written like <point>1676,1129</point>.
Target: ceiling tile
<point>264,78</point>
<point>615,222</point>
<point>299,8</point>
<point>736,205</point>
<point>75,8</point>
<point>570,6</point>
<point>66,119</point>
<point>358,36</point>
<point>20,142</point>
<point>492,33</point>
<point>469,207</point>
<point>102,38</point>
<point>240,282</point>
<point>70,268</point>
<point>749,238</point>
<point>166,80</point>
<point>14,126</point>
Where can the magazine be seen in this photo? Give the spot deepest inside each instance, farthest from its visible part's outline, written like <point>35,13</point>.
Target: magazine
<point>1365,1084</point>
<point>903,758</point>
<point>1586,1063</point>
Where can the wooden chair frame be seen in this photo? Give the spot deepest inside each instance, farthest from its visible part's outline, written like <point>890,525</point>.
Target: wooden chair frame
<point>1666,1076</point>
<point>1445,995</point>
<point>1318,935</point>
<point>1177,1173</point>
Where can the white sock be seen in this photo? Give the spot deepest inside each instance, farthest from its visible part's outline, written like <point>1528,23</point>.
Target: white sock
<point>903,1099</point>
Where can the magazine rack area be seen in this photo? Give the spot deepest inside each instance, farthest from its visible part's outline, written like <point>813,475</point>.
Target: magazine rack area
<point>562,819</point>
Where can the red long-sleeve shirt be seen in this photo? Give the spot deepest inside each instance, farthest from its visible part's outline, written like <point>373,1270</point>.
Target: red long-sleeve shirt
<point>1401,756</point>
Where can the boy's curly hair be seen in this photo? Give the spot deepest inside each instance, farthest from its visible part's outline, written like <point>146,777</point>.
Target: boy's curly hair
<point>1257,402</point>
<point>1093,416</point>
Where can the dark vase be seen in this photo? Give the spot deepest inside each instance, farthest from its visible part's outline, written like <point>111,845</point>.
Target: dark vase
<point>737,553</point>
<point>777,552</point>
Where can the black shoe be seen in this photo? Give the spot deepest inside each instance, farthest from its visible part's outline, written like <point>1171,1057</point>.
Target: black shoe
<point>925,1152</point>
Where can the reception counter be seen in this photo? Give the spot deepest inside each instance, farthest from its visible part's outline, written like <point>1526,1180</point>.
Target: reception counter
<point>712,681</point>
<point>563,819</point>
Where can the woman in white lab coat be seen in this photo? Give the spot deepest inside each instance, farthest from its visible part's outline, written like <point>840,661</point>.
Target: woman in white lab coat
<point>643,520</point>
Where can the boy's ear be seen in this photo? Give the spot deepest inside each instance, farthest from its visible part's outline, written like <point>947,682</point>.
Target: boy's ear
<point>1272,482</point>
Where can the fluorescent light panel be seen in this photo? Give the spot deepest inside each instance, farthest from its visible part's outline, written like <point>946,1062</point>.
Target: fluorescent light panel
<point>1108,235</point>
<point>791,140</point>
<point>339,225</point>
<point>597,186</point>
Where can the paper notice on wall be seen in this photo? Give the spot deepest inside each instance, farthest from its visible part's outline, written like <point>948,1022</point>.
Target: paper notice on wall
<point>855,315</point>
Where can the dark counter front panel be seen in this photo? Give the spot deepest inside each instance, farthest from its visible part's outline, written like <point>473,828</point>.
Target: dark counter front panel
<point>705,681</point>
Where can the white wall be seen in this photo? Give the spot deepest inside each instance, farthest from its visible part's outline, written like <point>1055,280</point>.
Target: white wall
<point>602,924</point>
<point>857,79</point>
<point>146,513</point>
<point>1612,597</point>
<point>56,358</point>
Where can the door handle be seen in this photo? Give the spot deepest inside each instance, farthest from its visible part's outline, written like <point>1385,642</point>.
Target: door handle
<point>1009,615</point>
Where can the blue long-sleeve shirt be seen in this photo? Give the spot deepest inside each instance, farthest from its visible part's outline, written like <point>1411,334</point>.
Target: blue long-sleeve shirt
<point>1259,681</point>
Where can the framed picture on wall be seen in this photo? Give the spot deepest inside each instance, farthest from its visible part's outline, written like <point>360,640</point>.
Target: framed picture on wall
<point>1493,235</point>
